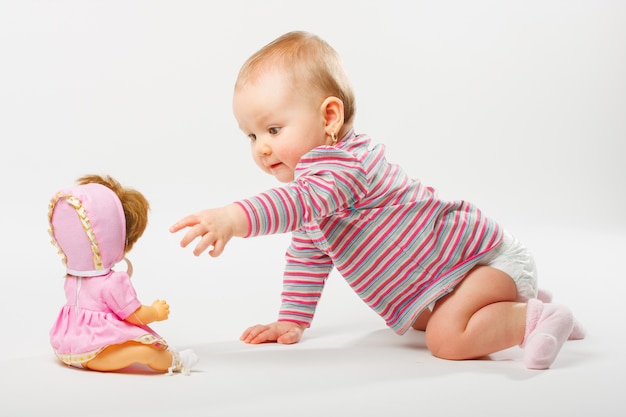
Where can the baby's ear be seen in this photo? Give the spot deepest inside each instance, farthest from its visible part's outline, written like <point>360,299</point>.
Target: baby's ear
<point>332,110</point>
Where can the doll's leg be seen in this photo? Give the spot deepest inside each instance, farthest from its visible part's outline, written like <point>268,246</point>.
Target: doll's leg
<point>478,318</point>
<point>117,357</point>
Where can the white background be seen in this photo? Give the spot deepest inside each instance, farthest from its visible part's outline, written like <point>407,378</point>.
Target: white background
<point>518,106</point>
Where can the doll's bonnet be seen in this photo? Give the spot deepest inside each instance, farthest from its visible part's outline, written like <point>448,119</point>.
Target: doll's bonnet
<point>88,226</point>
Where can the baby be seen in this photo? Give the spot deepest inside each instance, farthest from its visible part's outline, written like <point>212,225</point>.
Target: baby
<point>417,260</point>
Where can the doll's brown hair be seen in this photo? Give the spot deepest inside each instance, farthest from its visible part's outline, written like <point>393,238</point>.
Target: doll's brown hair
<point>134,204</point>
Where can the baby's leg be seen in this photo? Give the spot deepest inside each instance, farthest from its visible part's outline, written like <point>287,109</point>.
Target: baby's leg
<point>421,321</point>
<point>117,357</point>
<point>478,318</point>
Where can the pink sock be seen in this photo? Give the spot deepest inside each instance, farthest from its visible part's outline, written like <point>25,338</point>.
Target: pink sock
<point>544,295</point>
<point>578,331</point>
<point>548,326</point>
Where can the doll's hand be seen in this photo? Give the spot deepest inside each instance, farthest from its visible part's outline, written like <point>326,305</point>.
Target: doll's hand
<point>161,309</point>
<point>214,227</point>
<point>284,332</point>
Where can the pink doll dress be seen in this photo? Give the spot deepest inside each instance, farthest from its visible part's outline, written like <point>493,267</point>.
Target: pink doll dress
<point>93,318</point>
<point>87,224</point>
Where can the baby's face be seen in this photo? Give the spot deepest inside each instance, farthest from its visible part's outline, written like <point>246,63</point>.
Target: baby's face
<point>282,121</point>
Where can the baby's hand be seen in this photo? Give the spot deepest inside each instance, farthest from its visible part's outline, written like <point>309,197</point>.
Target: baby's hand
<point>162,310</point>
<point>284,332</point>
<point>214,227</point>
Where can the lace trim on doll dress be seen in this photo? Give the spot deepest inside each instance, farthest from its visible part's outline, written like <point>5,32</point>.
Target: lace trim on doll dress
<point>78,359</point>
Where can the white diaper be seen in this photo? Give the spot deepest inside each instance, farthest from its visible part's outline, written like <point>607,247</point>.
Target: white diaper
<point>514,259</point>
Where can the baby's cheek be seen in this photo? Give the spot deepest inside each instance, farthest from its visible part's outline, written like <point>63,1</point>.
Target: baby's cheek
<point>258,163</point>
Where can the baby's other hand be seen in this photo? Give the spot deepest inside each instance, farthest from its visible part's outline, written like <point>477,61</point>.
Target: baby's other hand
<point>162,310</point>
<point>284,332</point>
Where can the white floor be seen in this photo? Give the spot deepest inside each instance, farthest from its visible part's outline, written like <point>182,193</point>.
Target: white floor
<point>349,364</point>
<point>365,373</point>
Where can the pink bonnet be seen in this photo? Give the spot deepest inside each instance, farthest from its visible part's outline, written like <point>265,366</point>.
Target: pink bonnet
<point>88,226</point>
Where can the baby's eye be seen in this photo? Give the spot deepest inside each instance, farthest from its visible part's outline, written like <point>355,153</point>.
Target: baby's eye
<point>252,136</point>
<point>273,130</point>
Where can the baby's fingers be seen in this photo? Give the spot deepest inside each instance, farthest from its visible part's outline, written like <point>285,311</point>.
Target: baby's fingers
<point>218,248</point>
<point>257,334</point>
<point>186,221</point>
<point>204,244</point>
<point>194,232</point>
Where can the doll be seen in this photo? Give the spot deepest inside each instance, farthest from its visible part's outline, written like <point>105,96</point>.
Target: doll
<point>103,326</point>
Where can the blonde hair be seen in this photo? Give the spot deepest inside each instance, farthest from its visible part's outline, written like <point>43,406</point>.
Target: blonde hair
<point>310,60</point>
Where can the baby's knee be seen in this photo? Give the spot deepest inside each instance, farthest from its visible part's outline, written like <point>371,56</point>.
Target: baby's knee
<point>444,344</point>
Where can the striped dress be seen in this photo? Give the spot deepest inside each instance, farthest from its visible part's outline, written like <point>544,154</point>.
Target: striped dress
<point>397,245</point>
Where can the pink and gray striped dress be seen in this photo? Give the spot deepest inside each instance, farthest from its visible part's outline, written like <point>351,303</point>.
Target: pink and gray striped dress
<point>393,240</point>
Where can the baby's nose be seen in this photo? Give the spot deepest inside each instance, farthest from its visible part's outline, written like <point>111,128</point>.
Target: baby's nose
<point>264,150</point>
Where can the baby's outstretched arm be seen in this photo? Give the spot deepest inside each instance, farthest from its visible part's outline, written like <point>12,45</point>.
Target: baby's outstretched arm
<point>284,332</point>
<point>215,227</point>
<point>158,311</point>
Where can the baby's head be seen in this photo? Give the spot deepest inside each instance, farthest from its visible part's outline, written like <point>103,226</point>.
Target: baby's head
<point>291,97</point>
<point>313,66</point>
<point>96,223</point>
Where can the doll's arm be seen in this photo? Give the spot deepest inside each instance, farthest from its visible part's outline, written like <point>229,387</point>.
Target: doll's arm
<point>158,311</point>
